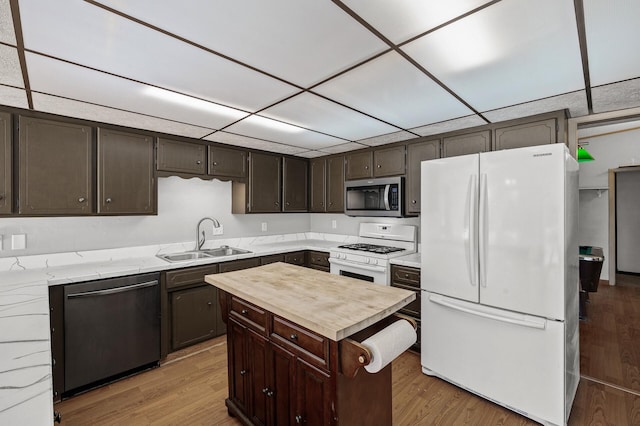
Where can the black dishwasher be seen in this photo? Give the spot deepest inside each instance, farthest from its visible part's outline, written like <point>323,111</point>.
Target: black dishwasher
<point>112,327</point>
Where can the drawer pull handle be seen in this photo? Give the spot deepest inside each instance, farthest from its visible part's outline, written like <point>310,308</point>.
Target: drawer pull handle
<point>265,390</point>
<point>406,275</point>
<point>243,372</point>
<point>270,393</point>
<point>209,304</point>
<point>294,337</point>
<point>244,312</point>
<point>298,418</point>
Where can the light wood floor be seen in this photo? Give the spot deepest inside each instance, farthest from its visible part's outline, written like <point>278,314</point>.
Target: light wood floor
<point>191,385</point>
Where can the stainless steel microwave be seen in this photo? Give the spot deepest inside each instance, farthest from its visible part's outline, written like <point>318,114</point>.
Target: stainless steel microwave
<point>374,197</point>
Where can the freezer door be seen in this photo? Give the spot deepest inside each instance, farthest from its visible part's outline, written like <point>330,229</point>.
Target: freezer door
<point>522,230</point>
<point>513,359</point>
<point>449,226</point>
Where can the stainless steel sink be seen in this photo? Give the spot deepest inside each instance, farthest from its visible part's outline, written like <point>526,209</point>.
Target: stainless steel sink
<point>225,251</point>
<point>184,256</point>
<point>202,254</point>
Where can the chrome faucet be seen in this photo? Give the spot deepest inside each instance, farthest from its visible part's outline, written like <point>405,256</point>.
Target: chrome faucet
<point>200,242</point>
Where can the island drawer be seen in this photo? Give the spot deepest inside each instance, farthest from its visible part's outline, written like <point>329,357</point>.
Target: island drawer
<point>248,314</point>
<point>405,275</point>
<point>306,344</point>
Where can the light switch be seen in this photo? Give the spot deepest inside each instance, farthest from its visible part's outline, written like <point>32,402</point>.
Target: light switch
<point>334,224</point>
<point>19,242</point>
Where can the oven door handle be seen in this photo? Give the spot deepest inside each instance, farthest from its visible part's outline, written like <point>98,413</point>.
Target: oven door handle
<point>358,265</point>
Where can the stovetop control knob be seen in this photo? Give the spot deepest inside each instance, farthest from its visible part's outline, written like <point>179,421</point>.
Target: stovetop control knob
<point>374,261</point>
<point>367,260</point>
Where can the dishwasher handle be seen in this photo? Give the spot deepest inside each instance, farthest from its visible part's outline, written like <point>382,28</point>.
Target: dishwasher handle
<point>112,290</point>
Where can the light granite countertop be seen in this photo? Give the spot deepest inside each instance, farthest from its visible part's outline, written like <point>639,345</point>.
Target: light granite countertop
<point>330,305</point>
<point>25,351</point>
<point>412,260</point>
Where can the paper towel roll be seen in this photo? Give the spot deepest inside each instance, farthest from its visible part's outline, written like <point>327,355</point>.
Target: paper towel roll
<point>387,344</point>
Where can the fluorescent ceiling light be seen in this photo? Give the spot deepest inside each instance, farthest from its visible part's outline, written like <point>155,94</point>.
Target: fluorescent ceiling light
<point>273,124</point>
<point>191,102</point>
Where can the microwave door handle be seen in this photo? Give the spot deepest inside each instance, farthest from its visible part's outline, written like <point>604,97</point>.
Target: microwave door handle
<point>386,197</point>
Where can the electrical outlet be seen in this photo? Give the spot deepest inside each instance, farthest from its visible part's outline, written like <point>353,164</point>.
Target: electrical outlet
<point>218,231</point>
<point>334,224</point>
<point>19,242</point>
<point>264,226</point>
<point>1,237</point>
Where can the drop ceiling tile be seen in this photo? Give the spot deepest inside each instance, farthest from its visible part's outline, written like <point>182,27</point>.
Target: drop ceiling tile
<point>7,33</point>
<point>10,96</point>
<point>248,142</point>
<point>388,138</point>
<point>311,154</point>
<point>511,52</point>
<point>400,20</point>
<point>612,36</point>
<point>392,89</point>
<point>302,42</point>
<point>71,108</point>
<point>345,147</point>
<point>612,97</point>
<point>449,125</point>
<point>575,102</point>
<point>85,34</point>
<point>63,79</point>
<point>313,112</point>
<point>10,71</point>
<point>262,128</point>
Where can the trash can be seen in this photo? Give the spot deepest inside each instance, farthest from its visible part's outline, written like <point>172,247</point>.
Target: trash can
<point>591,259</point>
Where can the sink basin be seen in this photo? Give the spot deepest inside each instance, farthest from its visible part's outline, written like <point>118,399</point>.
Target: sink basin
<point>224,251</point>
<point>202,254</point>
<point>183,257</point>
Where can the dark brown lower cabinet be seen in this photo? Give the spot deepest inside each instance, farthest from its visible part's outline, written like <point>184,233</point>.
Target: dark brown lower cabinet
<point>318,260</point>
<point>408,278</point>
<point>195,316</point>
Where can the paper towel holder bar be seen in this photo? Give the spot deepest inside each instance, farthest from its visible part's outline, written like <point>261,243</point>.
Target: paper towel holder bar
<point>354,355</point>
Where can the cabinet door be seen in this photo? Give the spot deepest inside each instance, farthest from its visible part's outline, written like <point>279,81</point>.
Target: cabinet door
<point>181,157</point>
<point>126,173</point>
<point>258,380</point>
<point>283,370</point>
<point>6,197</point>
<point>335,184</point>
<point>56,167</point>
<point>264,183</point>
<point>529,134</point>
<point>417,153</point>
<point>317,186</point>
<point>227,162</point>
<point>470,143</point>
<point>294,192</point>
<point>193,315</point>
<point>313,395</point>
<point>389,161</point>
<point>359,165</point>
<point>237,364</point>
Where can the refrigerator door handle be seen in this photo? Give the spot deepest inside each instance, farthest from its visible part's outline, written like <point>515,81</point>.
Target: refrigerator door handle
<point>530,322</point>
<point>472,255</point>
<point>482,228</point>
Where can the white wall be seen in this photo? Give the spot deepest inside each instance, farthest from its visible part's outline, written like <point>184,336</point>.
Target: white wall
<point>322,222</point>
<point>610,150</point>
<point>181,204</point>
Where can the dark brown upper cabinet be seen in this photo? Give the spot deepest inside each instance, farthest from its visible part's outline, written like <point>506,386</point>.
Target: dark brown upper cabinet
<point>317,186</point>
<point>416,154</point>
<point>227,162</point>
<point>55,168</point>
<point>468,143</point>
<point>182,157</point>
<point>295,175</point>
<point>528,134</point>
<point>359,165</point>
<point>126,173</point>
<point>261,193</point>
<point>6,182</point>
<point>389,161</point>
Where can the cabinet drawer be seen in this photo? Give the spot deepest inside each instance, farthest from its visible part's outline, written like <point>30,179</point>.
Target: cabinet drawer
<point>248,314</point>
<point>306,344</point>
<point>188,276</point>
<point>295,258</point>
<point>413,308</point>
<point>236,265</point>
<point>407,276</point>
<point>319,258</point>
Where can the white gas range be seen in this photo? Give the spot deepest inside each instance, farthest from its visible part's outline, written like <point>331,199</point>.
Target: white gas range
<point>369,258</point>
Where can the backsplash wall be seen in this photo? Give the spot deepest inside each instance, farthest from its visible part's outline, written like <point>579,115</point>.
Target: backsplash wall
<point>181,204</point>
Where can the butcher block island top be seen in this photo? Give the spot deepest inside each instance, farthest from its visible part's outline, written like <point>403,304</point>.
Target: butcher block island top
<point>330,305</point>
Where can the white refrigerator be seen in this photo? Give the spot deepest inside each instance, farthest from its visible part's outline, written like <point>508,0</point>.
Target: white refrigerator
<point>499,275</point>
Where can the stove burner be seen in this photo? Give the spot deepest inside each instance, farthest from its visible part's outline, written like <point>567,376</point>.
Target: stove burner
<point>371,248</point>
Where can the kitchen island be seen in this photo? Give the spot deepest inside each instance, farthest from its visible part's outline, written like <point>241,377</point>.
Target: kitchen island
<point>294,351</point>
